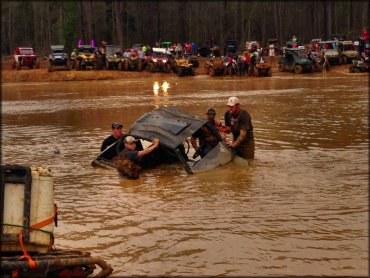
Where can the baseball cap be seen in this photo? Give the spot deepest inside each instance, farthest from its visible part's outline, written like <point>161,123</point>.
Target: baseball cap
<point>211,112</point>
<point>232,101</point>
<point>116,125</point>
<point>129,139</point>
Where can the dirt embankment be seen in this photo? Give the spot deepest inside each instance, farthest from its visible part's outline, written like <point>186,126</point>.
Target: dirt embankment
<point>42,74</point>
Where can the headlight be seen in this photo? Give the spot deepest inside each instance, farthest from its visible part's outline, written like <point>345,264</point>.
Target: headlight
<point>164,61</point>
<point>155,60</point>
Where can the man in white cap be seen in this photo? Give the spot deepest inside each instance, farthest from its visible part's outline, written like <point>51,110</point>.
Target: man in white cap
<point>132,154</point>
<point>239,122</point>
<point>110,147</point>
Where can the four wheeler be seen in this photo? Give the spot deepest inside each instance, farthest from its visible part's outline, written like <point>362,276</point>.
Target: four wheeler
<point>294,60</point>
<point>183,66</point>
<point>216,64</point>
<point>113,57</point>
<point>359,66</point>
<point>347,51</point>
<point>205,49</point>
<point>159,61</point>
<point>24,56</point>
<point>263,68</point>
<point>86,57</point>
<point>58,58</point>
<point>132,62</point>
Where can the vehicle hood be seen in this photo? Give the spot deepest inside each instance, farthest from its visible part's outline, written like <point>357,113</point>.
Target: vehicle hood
<point>331,53</point>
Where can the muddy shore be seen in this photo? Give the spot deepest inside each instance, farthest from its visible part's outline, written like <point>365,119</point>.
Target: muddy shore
<point>9,75</point>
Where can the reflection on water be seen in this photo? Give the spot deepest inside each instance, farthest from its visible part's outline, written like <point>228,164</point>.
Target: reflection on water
<point>302,209</point>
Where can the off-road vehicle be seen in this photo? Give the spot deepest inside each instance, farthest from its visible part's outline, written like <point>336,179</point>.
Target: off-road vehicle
<point>263,68</point>
<point>58,58</point>
<point>359,66</point>
<point>294,60</point>
<point>331,52</point>
<point>113,57</point>
<point>183,66</point>
<point>347,51</point>
<point>132,62</point>
<point>216,64</point>
<point>231,48</point>
<point>24,56</point>
<point>205,49</point>
<point>159,61</point>
<point>86,57</point>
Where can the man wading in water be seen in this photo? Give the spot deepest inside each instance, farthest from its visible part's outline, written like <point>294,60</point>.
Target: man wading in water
<point>239,122</point>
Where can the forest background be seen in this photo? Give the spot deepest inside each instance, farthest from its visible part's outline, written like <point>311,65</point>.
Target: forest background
<point>40,24</point>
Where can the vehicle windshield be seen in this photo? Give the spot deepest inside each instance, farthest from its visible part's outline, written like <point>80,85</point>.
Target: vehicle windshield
<point>58,51</point>
<point>86,50</point>
<point>26,51</point>
<point>347,47</point>
<point>300,53</point>
<point>113,50</point>
<point>327,45</point>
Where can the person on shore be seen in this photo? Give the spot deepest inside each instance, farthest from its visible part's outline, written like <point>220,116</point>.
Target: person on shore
<point>207,139</point>
<point>110,146</point>
<point>132,154</point>
<point>239,122</point>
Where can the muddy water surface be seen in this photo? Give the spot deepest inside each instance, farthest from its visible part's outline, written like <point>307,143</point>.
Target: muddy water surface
<point>302,210</point>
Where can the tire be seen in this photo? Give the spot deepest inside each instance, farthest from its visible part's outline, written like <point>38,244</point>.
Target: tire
<point>119,67</point>
<point>298,69</point>
<point>68,65</point>
<point>281,67</point>
<point>78,65</point>
<point>192,71</point>
<point>13,65</point>
<point>174,69</point>
<point>30,66</point>
<point>351,69</point>
<point>168,68</point>
<point>50,68</point>
<point>107,66</point>
<point>211,72</point>
<point>37,64</point>
<point>180,72</point>
<point>268,73</point>
<point>18,65</point>
<point>125,65</point>
<point>344,59</point>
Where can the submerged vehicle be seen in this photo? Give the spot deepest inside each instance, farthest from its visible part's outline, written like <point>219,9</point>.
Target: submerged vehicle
<point>173,127</point>
<point>28,218</point>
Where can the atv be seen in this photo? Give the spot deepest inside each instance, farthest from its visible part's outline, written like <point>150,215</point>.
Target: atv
<point>183,66</point>
<point>359,66</point>
<point>294,60</point>
<point>159,61</point>
<point>215,66</point>
<point>132,62</point>
<point>86,57</point>
<point>113,57</point>
<point>263,68</point>
<point>24,56</point>
<point>58,58</point>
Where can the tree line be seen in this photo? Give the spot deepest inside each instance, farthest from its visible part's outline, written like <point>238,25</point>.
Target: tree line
<point>40,24</point>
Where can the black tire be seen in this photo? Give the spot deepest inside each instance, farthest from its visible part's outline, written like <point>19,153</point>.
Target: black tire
<point>180,72</point>
<point>351,69</point>
<point>298,69</point>
<point>18,65</point>
<point>13,65</point>
<point>192,71</point>
<point>211,72</point>
<point>125,65</point>
<point>281,67</point>
<point>268,72</point>
<point>344,59</point>
<point>119,67</point>
<point>78,65</point>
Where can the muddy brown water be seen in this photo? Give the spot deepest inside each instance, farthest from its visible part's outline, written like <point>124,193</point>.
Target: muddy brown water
<point>301,210</point>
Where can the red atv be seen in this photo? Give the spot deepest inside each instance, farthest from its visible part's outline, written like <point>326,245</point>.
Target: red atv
<point>24,56</point>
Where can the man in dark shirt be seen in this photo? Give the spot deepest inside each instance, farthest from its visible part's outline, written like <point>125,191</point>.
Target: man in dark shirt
<point>132,154</point>
<point>111,145</point>
<point>239,122</point>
